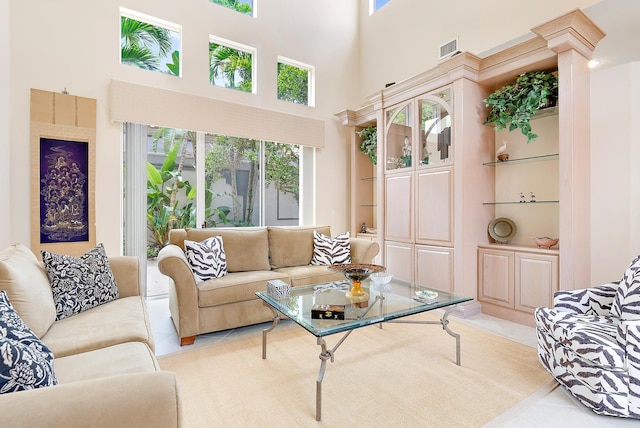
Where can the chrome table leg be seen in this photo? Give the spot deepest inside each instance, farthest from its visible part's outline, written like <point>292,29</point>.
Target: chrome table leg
<point>276,318</point>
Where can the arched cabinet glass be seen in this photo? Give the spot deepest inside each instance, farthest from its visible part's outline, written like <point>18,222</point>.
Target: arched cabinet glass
<point>435,129</point>
<point>399,136</point>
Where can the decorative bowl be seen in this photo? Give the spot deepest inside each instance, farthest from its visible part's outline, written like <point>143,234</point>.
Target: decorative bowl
<point>545,242</point>
<point>356,273</point>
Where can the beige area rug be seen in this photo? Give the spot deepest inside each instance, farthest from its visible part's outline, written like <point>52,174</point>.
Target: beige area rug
<point>403,376</point>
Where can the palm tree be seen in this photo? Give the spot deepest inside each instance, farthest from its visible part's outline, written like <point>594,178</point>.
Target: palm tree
<point>238,5</point>
<point>138,40</point>
<point>228,63</point>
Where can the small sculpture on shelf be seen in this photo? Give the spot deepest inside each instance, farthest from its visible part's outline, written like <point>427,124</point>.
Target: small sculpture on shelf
<point>425,155</point>
<point>532,196</point>
<point>521,197</point>
<point>406,151</point>
<point>363,227</point>
<point>501,153</point>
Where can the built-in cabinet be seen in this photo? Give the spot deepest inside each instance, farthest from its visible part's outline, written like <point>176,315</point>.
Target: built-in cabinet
<point>438,183</point>
<point>418,149</point>
<point>517,278</point>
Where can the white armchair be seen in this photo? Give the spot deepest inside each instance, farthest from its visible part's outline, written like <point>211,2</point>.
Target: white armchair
<point>590,342</point>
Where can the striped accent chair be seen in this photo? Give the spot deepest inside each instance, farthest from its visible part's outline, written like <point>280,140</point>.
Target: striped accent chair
<point>590,343</point>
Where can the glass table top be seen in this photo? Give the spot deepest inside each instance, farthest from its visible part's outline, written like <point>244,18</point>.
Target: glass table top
<point>386,302</point>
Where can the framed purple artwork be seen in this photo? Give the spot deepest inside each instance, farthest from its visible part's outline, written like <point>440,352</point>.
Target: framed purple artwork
<point>64,191</point>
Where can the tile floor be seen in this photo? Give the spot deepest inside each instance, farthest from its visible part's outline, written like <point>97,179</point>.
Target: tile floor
<point>549,407</point>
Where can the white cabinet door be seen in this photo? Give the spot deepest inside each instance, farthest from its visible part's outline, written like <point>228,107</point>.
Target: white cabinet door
<point>434,217</point>
<point>536,279</point>
<point>399,260</point>
<point>434,267</point>
<point>496,277</point>
<point>399,208</point>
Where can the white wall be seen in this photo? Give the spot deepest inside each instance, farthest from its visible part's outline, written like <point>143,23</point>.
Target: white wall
<point>5,120</point>
<point>615,176</point>
<point>75,44</point>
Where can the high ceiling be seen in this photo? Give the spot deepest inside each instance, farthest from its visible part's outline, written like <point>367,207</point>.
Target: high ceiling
<point>620,20</point>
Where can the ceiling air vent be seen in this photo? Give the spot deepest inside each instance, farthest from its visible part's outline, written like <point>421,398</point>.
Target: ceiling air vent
<point>448,49</point>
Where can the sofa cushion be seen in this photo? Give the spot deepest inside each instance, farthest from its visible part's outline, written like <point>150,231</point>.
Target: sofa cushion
<point>80,283</point>
<point>328,251</point>
<point>119,321</point>
<point>246,248</point>
<point>24,279</point>
<point>310,275</point>
<point>590,337</point>
<point>25,362</point>
<point>235,287</point>
<point>120,359</point>
<point>626,303</point>
<point>206,258</point>
<point>292,245</point>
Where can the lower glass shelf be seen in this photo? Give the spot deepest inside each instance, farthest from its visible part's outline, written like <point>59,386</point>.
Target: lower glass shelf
<point>520,202</point>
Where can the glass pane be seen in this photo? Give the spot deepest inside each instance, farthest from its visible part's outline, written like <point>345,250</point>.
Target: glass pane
<point>435,130</point>
<point>242,6</point>
<point>293,84</point>
<point>150,47</point>
<point>282,191</point>
<point>232,177</point>
<point>230,67</point>
<point>171,181</point>
<point>399,134</point>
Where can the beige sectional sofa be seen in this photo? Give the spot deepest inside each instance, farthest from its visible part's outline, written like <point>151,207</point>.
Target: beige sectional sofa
<point>104,358</point>
<point>254,256</point>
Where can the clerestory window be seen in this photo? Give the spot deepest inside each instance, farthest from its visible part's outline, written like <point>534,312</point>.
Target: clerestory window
<point>375,5</point>
<point>296,82</point>
<point>243,6</point>
<point>231,65</point>
<point>149,43</point>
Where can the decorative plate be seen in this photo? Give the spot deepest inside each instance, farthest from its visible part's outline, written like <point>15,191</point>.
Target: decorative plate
<point>502,229</point>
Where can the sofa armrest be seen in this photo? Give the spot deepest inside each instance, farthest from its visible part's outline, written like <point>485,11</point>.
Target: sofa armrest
<point>173,263</point>
<point>363,250</point>
<point>592,301</point>
<point>126,271</point>
<point>148,399</point>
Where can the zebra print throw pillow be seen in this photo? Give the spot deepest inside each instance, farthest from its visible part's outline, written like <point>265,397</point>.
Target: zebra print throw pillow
<point>626,303</point>
<point>327,251</point>
<point>206,258</point>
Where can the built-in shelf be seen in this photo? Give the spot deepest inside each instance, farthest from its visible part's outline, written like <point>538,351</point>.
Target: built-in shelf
<point>520,203</point>
<point>368,205</point>
<point>520,160</point>
<point>368,179</point>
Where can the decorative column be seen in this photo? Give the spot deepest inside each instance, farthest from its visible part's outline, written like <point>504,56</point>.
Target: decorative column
<point>573,38</point>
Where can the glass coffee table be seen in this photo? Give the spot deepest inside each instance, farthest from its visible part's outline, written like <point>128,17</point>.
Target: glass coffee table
<point>391,302</point>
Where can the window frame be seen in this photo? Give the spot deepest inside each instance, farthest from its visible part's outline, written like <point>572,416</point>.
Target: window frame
<point>156,22</point>
<point>254,8</point>
<point>311,74</point>
<point>243,48</point>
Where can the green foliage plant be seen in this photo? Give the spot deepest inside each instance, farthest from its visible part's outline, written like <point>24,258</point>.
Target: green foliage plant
<point>512,106</point>
<point>369,142</point>
<point>165,211</point>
